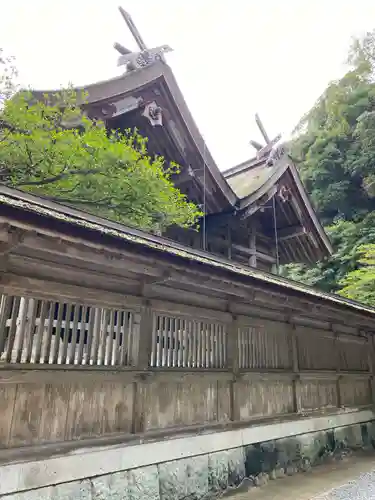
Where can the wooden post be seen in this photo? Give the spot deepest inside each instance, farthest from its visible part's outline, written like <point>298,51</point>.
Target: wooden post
<point>145,336</point>
<point>229,238</point>
<point>233,365</point>
<point>253,246</point>
<point>295,368</point>
<point>146,325</point>
<point>338,376</point>
<point>371,361</point>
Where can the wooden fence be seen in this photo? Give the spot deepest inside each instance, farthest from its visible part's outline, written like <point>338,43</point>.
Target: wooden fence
<point>73,371</point>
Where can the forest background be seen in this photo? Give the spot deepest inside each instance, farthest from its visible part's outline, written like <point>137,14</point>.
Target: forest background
<point>334,149</point>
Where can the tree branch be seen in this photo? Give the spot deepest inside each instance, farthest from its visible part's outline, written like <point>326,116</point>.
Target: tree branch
<point>63,175</point>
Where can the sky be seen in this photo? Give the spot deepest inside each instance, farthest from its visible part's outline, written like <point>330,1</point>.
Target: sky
<point>231,58</point>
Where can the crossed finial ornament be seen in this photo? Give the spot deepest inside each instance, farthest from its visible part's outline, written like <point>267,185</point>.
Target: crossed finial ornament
<point>143,57</point>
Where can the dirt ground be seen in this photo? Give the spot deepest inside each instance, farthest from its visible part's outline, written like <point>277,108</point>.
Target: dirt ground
<point>312,484</point>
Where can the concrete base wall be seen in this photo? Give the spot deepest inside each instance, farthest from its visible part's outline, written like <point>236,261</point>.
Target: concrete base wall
<point>191,467</point>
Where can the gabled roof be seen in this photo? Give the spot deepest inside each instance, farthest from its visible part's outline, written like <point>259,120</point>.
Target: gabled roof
<point>160,79</point>
<point>252,180</point>
<point>240,187</point>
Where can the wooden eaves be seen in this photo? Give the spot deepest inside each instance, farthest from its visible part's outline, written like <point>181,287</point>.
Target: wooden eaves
<point>263,184</point>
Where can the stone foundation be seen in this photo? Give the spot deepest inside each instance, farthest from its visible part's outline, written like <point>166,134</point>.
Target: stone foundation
<point>208,475</point>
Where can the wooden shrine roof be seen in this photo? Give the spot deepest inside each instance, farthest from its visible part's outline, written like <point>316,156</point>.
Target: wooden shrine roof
<point>240,188</point>
<point>254,182</point>
<point>157,82</point>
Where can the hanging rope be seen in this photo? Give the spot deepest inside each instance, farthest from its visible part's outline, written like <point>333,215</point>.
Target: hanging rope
<point>275,231</point>
<point>204,196</point>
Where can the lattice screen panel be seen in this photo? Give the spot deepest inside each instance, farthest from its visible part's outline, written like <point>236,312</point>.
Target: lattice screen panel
<point>182,342</point>
<point>49,332</point>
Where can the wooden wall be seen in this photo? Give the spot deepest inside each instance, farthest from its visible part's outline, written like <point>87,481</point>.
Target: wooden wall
<point>72,372</point>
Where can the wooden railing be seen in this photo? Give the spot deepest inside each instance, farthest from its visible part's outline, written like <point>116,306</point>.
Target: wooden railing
<point>87,371</point>
<point>48,332</point>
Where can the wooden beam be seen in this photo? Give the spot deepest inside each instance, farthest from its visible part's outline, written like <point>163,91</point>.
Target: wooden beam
<point>253,247</point>
<point>286,233</point>
<point>253,252</point>
<point>229,238</point>
<point>254,207</point>
<point>258,121</point>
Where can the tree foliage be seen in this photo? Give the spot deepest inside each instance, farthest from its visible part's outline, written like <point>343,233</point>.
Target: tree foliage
<point>334,149</point>
<point>360,283</point>
<point>50,148</point>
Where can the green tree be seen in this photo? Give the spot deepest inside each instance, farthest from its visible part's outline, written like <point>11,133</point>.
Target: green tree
<point>347,238</point>
<point>334,149</point>
<point>335,143</point>
<point>360,284</point>
<point>51,149</point>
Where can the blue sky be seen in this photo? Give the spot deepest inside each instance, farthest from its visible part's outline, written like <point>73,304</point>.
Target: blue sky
<point>232,58</point>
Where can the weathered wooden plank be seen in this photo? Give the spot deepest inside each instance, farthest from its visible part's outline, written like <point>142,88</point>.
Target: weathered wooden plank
<point>7,401</point>
<point>56,401</point>
<point>28,412</point>
<point>263,396</point>
<point>118,408</point>
<point>317,394</point>
<point>86,411</point>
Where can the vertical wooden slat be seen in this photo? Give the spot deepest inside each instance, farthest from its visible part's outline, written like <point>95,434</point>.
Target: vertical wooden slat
<point>168,341</point>
<point>217,345</point>
<point>221,345</point>
<point>175,341</point>
<point>164,356</point>
<point>154,349</point>
<point>30,329</point>
<point>185,328</point>
<point>40,331</point>
<point>203,329</point>
<point>202,346</point>
<point>129,322</point>
<point>72,351</point>
<point>160,340</point>
<point>66,334</point>
<point>90,334</point>
<point>12,329</point>
<point>47,348</point>
<point>21,328</point>
<point>116,347</point>
<point>211,354</point>
<point>56,346</point>
<point>96,336</point>
<point>126,327</point>
<point>103,337</point>
<point>225,344</point>
<point>243,339</point>
<point>82,335</point>
<point>5,306</point>
<point>232,345</point>
<point>109,340</point>
<point>181,343</point>
<point>190,353</point>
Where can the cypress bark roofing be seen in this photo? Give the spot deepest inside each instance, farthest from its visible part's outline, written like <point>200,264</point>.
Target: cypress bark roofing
<point>31,204</point>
